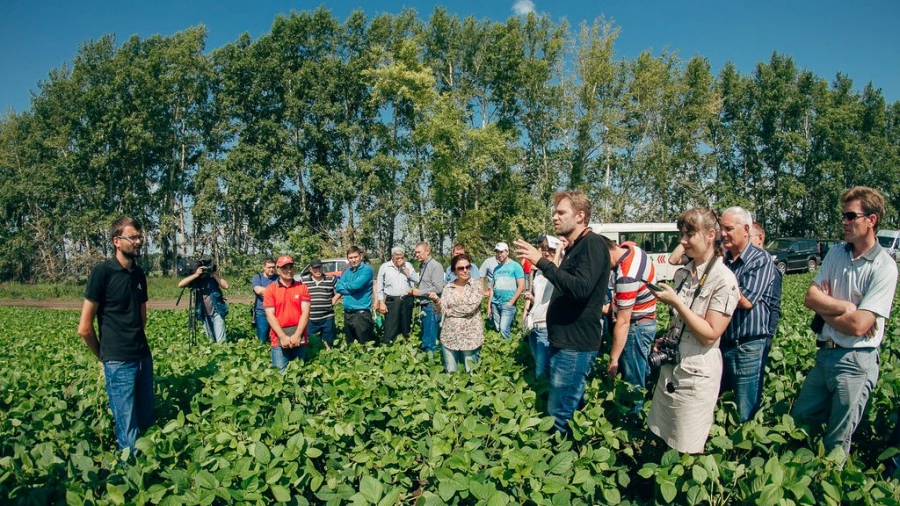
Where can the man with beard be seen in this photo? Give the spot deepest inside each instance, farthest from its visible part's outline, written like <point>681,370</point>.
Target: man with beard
<point>579,290</point>
<point>116,296</point>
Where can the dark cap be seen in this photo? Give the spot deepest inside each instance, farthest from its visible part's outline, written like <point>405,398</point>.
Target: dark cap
<point>316,264</point>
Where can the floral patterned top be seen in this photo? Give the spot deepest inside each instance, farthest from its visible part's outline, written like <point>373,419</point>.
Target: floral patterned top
<point>462,327</point>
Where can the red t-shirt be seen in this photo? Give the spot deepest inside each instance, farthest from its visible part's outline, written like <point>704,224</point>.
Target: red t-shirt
<point>287,301</point>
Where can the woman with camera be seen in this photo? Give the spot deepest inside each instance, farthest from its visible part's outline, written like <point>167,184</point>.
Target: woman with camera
<point>703,300</point>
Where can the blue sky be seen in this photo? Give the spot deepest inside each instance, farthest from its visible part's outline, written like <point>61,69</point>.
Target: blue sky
<point>859,38</point>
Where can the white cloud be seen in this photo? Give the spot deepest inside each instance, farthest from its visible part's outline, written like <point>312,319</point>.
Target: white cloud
<point>523,7</point>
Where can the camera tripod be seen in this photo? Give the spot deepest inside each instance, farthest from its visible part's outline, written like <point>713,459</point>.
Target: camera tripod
<point>192,313</point>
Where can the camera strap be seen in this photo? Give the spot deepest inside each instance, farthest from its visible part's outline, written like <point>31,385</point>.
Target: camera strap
<point>712,263</point>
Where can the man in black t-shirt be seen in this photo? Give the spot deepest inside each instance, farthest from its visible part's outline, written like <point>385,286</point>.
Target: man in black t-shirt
<point>116,296</point>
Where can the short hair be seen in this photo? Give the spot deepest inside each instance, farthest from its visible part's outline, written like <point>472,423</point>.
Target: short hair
<point>455,260</point>
<point>398,250</point>
<point>355,249</point>
<point>757,229</point>
<point>697,220</point>
<point>459,246</point>
<point>119,225</point>
<point>579,199</point>
<point>871,200</point>
<point>424,245</point>
<point>742,215</point>
<point>268,260</point>
<point>610,244</point>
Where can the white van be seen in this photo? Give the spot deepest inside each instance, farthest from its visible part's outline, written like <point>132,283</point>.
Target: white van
<point>890,240</point>
<point>657,239</point>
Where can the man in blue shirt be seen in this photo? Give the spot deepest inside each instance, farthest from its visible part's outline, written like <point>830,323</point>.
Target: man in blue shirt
<point>260,281</point>
<point>355,285</point>
<point>508,284</point>
<point>745,342</point>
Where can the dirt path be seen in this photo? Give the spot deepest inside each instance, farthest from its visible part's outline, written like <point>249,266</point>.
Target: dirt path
<point>76,304</point>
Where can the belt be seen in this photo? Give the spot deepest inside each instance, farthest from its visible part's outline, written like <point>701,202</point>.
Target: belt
<point>831,345</point>
<point>744,340</point>
<point>353,311</point>
<point>392,298</point>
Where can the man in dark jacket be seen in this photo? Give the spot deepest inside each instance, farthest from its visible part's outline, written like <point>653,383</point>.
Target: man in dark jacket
<point>579,289</point>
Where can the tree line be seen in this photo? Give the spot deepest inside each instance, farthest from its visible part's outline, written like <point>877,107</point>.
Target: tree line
<point>322,133</point>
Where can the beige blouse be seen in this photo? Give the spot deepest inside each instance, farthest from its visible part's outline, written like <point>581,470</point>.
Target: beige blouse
<point>462,327</point>
<point>685,397</point>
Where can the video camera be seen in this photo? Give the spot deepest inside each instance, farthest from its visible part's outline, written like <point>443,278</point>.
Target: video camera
<point>186,267</point>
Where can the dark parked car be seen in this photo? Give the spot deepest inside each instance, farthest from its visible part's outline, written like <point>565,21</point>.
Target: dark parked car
<point>825,245</point>
<point>795,254</point>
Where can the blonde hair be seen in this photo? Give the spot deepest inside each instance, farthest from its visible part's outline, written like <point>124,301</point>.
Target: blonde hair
<point>580,202</point>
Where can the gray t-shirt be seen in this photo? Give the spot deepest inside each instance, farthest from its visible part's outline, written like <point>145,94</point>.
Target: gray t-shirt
<point>869,281</point>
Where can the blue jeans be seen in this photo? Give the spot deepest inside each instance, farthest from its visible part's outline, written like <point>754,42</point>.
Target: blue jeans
<point>281,357</point>
<point>540,350</point>
<point>215,327</point>
<point>325,328</point>
<point>429,328</point>
<point>262,329</point>
<point>836,391</point>
<point>129,387</point>
<point>637,349</point>
<point>743,370</point>
<point>503,315</point>
<point>452,359</point>
<point>568,377</point>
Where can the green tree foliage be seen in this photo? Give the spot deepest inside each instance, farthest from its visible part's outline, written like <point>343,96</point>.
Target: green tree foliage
<point>395,129</point>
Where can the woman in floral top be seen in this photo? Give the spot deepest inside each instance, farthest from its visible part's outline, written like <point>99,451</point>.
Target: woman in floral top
<point>462,330</point>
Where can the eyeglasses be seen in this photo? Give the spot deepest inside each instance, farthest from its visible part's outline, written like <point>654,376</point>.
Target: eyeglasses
<point>850,216</point>
<point>464,268</point>
<point>132,238</point>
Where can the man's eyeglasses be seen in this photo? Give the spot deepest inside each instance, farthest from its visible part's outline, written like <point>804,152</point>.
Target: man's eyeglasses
<point>464,268</point>
<point>132,238</point>
<point>850,216</point>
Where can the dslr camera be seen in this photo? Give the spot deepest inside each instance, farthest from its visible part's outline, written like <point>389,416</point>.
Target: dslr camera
<point>667,352</point>
<point>186,267</point>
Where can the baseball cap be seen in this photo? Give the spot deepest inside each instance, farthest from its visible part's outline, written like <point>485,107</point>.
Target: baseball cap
<point>284,260</point>
<point>501,246</point>
<point>315,264</point>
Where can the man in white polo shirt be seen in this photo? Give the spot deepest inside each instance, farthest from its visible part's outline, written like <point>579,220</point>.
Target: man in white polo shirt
<point>852,293</point>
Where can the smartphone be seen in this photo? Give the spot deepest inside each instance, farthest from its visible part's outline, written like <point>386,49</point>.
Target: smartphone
<point>653,287</point>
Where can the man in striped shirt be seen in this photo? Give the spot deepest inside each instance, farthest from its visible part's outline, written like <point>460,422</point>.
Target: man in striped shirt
<point>744,344</point>
<point>635,309</point>
<point>323,298</point>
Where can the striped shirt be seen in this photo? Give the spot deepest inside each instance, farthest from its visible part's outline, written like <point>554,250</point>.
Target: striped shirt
<point>320,294</point>
<point>755,273</point>
<point>634,271</point>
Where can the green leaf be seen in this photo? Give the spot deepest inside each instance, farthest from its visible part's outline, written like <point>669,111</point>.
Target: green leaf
<point>699,474</point>
<point>612,496</point>
<point>499,498</point>
<point>371,489</point>
<point>261,453</point>
<point>771,494</point>
<point>668,491</point>
<point>281,493</point>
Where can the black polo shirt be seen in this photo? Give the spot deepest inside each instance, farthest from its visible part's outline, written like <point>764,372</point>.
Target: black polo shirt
<point>119,293</point>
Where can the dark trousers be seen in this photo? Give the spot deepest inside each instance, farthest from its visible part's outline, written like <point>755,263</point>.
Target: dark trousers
<point>358,326</point>
<point>398,319</point>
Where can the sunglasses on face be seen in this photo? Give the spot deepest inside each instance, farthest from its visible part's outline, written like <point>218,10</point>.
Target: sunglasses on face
<point>850,216</point>
<point>464,268</point>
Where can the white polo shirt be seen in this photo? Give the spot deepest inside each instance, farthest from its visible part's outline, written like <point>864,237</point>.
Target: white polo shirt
<point>868,281</point>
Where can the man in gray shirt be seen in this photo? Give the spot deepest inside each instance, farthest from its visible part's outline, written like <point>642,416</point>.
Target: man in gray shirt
<point>431,280</point>
<point>395,279</point>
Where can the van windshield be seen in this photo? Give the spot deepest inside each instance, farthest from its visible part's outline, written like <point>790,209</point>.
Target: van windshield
<point>887,242</point>
<point>778,244</point>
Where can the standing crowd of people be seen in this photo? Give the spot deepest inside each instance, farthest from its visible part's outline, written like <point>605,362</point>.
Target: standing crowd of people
<point>724,301</point>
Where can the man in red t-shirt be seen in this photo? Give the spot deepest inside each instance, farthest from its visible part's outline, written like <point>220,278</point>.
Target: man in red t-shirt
<point>286,303</point>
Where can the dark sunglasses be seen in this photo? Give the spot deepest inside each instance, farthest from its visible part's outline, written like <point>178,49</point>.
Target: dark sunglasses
<point>464,267</point>
<point>850,216</point>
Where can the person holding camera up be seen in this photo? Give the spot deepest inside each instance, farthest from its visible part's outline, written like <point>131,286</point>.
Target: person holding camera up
<point>210,304</point>
<point>704,298</point>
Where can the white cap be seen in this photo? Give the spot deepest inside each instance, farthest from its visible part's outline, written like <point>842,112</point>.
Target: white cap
<point>553,242</point>
<point>501,246</point>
